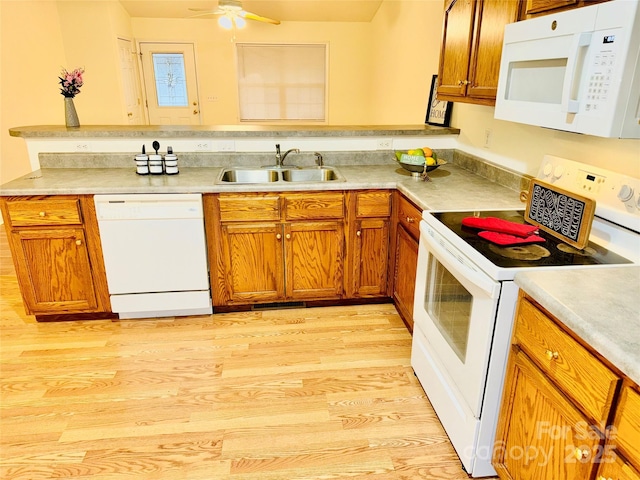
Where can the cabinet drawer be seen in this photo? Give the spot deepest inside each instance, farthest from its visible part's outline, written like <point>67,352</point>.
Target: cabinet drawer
<point>373,204</point>
<point>627,425</point>
<point>25,213</point>
<point>307,206</point>
<point>249,207</point>
<point>575,370</point>
<point>409,217</point>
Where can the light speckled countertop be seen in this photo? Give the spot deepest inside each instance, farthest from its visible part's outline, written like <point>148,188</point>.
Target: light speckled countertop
<point>451,187</point>
<point>599,305</point>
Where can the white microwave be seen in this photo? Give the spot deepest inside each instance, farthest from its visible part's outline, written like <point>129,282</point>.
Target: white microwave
<point>576,71</point>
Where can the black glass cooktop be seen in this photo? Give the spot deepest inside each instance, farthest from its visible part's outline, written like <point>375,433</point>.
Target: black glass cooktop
<point>552,252</point>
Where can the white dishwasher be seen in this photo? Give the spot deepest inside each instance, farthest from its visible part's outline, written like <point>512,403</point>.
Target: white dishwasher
<point>155,254</point>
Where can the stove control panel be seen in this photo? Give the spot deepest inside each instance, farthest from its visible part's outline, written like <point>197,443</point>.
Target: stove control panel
<point>617,196</point>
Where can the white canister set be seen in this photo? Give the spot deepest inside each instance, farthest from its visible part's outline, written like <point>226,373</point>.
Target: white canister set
<point>156,164</point>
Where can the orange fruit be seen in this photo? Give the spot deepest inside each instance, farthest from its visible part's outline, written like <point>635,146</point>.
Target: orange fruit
<point>427,152</point>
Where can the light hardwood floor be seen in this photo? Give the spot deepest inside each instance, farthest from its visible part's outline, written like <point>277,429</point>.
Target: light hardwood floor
<point>319,393</point>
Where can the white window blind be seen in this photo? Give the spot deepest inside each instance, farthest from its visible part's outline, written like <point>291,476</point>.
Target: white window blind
<point>282,82</point>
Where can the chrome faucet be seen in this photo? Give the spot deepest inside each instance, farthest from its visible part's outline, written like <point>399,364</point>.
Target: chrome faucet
<point>319,160</point>
<point>280,157</point>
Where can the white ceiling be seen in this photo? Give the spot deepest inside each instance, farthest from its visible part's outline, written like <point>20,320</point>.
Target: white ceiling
<point>283,10</point>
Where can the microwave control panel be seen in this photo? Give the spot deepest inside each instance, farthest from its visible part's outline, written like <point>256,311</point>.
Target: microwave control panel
<point>604,52</point>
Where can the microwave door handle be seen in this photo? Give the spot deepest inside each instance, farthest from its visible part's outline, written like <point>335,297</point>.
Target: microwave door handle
<point>575,66</point>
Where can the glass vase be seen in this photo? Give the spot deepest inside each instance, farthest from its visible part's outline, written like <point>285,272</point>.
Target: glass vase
<point>70,114</point>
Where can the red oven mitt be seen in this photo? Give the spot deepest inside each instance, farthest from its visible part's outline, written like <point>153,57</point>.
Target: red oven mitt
<point>504,239</point>
<point>499,225</point>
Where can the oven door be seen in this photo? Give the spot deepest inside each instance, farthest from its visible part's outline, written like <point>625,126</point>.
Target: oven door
<point>454,308</point>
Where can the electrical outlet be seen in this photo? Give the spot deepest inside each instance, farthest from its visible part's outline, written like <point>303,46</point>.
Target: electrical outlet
<point>226,146</point>
<point>487,138</point>
<point>384,144</point>
<point>203,146</point>
<point>83,147</point>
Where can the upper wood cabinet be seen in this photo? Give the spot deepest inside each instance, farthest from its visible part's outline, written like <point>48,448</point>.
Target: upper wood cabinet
<point>471,49</point>
<point>56,249</point>
<point>536,8</point>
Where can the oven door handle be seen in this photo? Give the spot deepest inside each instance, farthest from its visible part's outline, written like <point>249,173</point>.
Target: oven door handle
<point>455,264</point>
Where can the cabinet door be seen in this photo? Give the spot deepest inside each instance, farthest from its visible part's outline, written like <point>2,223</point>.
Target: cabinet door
<point>314,260</point>
<point>613,467</point>
<point>54,270</point>
<point>540,433</point>
<point>405,275</point>
<point>491,17</point>
<point>371,257</point>
<point>252,256</point>
<point>456,48</point>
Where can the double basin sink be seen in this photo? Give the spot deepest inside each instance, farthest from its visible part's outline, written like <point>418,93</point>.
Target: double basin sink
<point>269,175</point>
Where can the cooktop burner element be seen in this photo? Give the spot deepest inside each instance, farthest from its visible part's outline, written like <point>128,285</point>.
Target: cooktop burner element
<point>553,252</point>
<point>530,253</point>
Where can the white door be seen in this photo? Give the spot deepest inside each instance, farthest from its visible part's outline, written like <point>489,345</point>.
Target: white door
<point>170,83</point>
<point>130,83</point>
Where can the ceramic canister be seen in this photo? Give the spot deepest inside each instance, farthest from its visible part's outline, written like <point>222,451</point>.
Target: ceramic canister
<point>171,164</point>
<point>155,164</point>
<point>142,164</point>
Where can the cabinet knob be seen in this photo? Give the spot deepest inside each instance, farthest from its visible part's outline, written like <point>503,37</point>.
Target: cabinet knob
<point>78,242</point>
<point>42,214</point>
<point>278,236</point>
<point>603,478</point>
<point>287,236</point>
<point>358,233</point>
<point>581,454</point>
<point>463,82</point>
<point>551,355</point>
<point>410,219</point>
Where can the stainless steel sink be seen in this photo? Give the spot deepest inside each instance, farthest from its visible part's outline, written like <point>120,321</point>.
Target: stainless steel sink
<point>310,175</point>
<point>270,175</point>
<point>249,176</point>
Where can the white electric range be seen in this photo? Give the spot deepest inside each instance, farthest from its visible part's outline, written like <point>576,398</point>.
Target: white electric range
<point>465,298</point>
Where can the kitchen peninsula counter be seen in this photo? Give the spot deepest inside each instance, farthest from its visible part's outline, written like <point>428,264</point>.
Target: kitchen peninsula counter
<point>599,305</point>
<point>225,131</point>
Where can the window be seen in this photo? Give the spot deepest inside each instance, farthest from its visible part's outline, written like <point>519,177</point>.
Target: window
<point>282,82</point>
<point>171,87</point>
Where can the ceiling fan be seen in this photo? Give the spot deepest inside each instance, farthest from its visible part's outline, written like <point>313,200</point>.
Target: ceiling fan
<point>231,13</point>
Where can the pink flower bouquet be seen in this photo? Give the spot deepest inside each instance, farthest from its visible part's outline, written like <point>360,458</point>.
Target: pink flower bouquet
<point>71,82</point>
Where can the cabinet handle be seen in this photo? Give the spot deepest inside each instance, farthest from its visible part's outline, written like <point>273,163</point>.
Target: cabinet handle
<point>287,236</point>
<point>358,233</point>
<point>581,454</point>
<point>278,236</point>
<point>78,242</point>
<point>410,220</point>
<point>551,355</point>
<point>42,214</point>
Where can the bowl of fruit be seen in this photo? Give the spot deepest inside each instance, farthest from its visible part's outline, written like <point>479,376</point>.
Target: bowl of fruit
<point>414,160</point>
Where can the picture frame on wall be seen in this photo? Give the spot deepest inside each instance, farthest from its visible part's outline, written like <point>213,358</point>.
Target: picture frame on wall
<point>438,111</point>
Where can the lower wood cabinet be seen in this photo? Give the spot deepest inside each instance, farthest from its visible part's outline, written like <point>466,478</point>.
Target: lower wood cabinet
<point>368,227</point>
<point>275,247</point>
<point>558,404</point>
<point>406,257</point>
<point>56,250</point>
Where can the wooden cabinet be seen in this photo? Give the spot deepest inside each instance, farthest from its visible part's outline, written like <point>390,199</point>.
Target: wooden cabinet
<point>55,245</point>
<point>471,49</point>
<point>406,257</point>
<point>368,243</point>
<point>275,247</point>
<point>557,401</point>
<point>536,8</point>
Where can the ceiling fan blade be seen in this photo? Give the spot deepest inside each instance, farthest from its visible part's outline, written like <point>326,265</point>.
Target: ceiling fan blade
<point>253,16</point>
<point>204,12</point>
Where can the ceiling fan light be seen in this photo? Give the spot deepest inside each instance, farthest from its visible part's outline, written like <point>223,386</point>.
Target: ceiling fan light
<point>240,22</point>
<point>225,22</point>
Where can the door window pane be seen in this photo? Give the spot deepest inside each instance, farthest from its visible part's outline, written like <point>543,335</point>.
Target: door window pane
<point>171,86</point>
<point>449,306</point>
<point>282,82</point>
